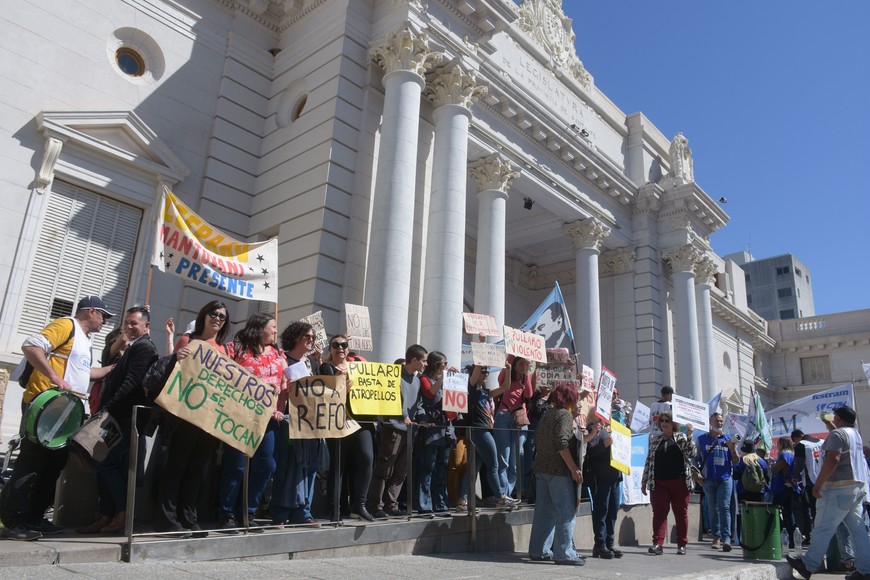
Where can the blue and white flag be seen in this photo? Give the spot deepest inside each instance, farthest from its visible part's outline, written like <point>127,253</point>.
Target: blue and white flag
<point>713,403</point>
<point>551,321</point>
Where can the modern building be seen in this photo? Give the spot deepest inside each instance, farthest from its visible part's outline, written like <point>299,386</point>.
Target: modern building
<point>391,146</point>
<point>777,288</point>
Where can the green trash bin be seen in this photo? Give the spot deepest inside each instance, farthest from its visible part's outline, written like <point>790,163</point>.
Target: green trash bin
<point>760,532</point>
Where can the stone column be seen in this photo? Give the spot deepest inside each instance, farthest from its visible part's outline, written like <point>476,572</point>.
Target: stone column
<point>705,270</point>
<point>404,56</point>
<point>493,175</point>
<point>453,91</point>
<point>682,262</point>
<point>587,236</point>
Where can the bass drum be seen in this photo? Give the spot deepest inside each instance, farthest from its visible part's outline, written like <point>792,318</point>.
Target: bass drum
<point>53,417</point>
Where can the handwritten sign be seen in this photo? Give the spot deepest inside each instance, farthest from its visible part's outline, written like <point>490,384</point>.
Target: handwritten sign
<point>480,324</point>
<point>604,403</point>
<point>487,355</point>
<point>620,449</point>
<point>359,327</point>
<point>640,417</point>
<point>375,388</point>
<point>455,395</point>
<point>558,355</point>
<point>546,376</point>
<point>587,378</point>
<point>689,412</point>
<point>221,397</point>
<point>318,408</point>
<point>316,321</point>
<point>525,344</point>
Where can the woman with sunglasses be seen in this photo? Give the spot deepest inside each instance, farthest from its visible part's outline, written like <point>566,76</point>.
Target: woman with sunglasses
<point>254,349</point>
<point>297,462</point>
<point>353,476</point>
<point>436,439</point>
<point>667,473</point>
<point>190,448</point>
<point>510,436</point>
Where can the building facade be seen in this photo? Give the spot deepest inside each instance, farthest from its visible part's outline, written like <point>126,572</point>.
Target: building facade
<point>391,146</point>
<point>777,288</point>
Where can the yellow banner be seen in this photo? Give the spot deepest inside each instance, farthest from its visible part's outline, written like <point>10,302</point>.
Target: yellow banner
<point>318,408</point>
<point>221,397</point>
<point>375,388</point>
<point>188,246</point>
<point>620,449</point>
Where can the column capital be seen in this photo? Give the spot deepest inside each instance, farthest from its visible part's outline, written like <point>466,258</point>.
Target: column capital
<point>682,258</point>
<point>705,270</point>
<point>405,49</point>
<point>453,85</point>
<point>492,172</point>
<point>587,233</point>
<point>618,261</point>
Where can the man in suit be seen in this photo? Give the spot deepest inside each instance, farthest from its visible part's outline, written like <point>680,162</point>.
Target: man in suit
<point>122,390</point>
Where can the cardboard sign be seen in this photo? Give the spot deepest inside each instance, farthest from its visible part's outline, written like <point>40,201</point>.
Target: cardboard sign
<point>547,376</point>
<point>558,356</point>
<point>480,324</point>
<point>318,408</point>
<point>604,403</point>
<point>640,417</point>
<point>689,412</point>
<point>455,392</point>
<point>488,355</point>
<point>620,449</point>
<point>359,327</point>
<point>525,344</point>
<point>375,388</point>
<point>316,321</point>
<point>221,397</point>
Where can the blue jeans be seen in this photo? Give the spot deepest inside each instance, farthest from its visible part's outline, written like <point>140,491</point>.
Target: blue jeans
<point>841,503</point>
<point>487,454</point>
<point>432,484</point>
<point>510,442</point>
<point>717,494</point>
<point>261,468</point>
<point>553,522</point>
<point>605,506</point>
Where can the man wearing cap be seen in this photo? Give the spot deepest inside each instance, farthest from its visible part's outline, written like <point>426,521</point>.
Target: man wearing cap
<point>840,491</point>
<point>663,405</point>
<point>61,358</point>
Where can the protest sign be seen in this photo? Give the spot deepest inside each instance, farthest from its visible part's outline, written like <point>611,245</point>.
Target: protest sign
<point>488,355</point>
<point>316,321</point>
<point>587,378</point>
<point>640,417</point>
<point>478,324</point>
<point>558,356</point>
<point>221,397</point>
<point>525,344</point>
<point>547,375</point>
<point>455,395</point>
<point>804,413</point>
<point>318,408</point>
<point>375,388</point>
<point>620,449</point>
<point>359,327</point>
<point>631,494</point>
<point>188,246</point>
<point>690,412</point>
<point>604,403</point>
<point>296,371</point>
<point>585,407</point>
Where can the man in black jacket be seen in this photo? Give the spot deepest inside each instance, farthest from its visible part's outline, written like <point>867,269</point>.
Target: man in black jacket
<point>122,390</point>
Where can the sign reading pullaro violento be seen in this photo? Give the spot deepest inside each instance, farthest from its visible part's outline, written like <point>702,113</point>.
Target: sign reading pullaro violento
<point>221,397</point>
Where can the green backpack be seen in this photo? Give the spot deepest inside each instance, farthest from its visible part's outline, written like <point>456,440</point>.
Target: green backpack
<point>753,477</point>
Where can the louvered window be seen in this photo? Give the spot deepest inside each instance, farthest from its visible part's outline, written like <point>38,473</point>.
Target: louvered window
<point>86,246</point>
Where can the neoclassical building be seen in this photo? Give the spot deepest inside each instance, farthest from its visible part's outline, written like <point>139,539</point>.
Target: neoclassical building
<point>422,158</point>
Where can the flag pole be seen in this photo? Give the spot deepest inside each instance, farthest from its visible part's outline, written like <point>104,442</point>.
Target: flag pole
<point>148,287</point>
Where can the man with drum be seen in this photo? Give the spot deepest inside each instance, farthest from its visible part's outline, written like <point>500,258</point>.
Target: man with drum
<point>122,390</point>
<point>61,358</point>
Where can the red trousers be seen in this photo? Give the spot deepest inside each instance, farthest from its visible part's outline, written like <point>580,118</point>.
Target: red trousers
<point>670,494</point>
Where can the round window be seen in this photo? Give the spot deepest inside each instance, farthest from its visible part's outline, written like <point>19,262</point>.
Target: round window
<point>130,62</point>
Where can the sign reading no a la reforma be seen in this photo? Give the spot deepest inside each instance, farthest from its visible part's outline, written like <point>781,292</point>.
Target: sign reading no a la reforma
<point>220,396</point>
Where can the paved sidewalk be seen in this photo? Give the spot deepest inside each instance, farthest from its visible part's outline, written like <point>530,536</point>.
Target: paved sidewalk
<point>700,563</point>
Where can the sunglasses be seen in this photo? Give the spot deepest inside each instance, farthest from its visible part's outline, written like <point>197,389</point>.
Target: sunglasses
<point>339,345</point>
<point>217,316</point>
<point>665,421</point>
<point>309,336</point>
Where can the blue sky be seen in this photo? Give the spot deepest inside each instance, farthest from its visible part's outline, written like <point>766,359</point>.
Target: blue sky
<point>773,97</point>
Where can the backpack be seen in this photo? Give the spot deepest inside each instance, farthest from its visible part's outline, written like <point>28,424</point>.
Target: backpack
<point>753,477</point>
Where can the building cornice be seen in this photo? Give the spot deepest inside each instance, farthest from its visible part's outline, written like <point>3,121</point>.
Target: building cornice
<point>756,327</point>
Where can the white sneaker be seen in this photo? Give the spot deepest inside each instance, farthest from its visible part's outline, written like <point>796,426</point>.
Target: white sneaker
<point>715,544</point>
<point>505,503</point>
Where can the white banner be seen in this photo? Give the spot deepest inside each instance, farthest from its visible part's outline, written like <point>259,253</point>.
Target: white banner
<point>525,344</point>
<point>488,355</point>
<point>604,403</point>
<point>690,412</point>
<point>640,418</point>
<point>804,413</point>
<point>455,395</point>
<point>477,324</point>
<point>359,327</point>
